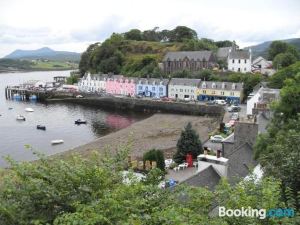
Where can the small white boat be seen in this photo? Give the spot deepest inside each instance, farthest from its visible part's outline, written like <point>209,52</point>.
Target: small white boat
<point>29,110</point>
<point>56,142</point>
<point>20,117</point>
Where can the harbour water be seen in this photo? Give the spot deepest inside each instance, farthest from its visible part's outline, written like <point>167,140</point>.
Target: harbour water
<point>58,119</point>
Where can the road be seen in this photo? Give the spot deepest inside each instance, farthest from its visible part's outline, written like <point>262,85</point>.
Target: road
<point>226,118</point>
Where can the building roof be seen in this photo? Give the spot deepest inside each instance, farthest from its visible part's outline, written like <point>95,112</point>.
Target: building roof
<point>195,55</point>
<point>239,54</point>
<point>221,85</point>
<point>241,162</point>
<point>206,178</point>
<point>223,53</point>
<point>185,82</point>
<point>153,81</point>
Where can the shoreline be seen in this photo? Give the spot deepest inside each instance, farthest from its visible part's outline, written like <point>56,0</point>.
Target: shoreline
<point>36,70</point>
<point>160,131</point>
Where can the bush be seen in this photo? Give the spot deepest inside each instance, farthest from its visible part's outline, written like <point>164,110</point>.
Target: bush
<point>157,156</point>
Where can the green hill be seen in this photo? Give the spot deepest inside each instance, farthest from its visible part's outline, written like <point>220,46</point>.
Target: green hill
<point>44,53</point>
<point>262,49</point>
<point>137,53</point>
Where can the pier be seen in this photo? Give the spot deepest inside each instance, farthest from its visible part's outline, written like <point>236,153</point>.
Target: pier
<point>11,91</point>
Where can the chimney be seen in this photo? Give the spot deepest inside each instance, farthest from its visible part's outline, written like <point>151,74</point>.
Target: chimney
<point>218,154</point>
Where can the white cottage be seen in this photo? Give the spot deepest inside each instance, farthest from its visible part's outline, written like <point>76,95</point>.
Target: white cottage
<point>92,83</point>
<point>184,89</point>
<point>239,60</point>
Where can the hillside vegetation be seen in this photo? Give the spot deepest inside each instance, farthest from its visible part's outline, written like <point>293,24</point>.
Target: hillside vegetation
<point>137,53</point>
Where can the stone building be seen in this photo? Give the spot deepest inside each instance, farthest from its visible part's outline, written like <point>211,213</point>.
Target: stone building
<point>188,60</point>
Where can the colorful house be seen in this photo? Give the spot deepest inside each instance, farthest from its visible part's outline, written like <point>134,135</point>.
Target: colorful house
<point>184,89</point>
<point>92,83</point>
<point>152,87</point>
<point>213,90</point>
<point>120,85</point>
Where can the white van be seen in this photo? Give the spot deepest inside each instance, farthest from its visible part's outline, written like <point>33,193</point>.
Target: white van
<point>220,102</point>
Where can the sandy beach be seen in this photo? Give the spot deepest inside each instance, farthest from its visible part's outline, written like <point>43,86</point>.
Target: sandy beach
<point>160,131</point>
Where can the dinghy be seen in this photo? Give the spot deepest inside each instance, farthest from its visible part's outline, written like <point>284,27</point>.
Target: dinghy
<point>29,110</point>
<point>20,117</point>
<point>56,142</point>
<point>41,127</point>
<point>79,121</point>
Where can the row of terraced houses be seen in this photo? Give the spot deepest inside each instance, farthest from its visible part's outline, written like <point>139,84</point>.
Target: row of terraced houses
<point>175,88</point>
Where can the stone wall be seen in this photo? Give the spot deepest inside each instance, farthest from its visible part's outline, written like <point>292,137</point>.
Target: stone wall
<point>148,105</point>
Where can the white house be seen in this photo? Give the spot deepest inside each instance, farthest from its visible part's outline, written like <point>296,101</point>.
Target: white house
<point>261,65</point>
<point>239,60</point>
<point>261,99</point>
<point>92,83</point>
<point>182,88</point>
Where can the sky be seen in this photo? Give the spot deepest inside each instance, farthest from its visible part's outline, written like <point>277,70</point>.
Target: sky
<point>72,25</point>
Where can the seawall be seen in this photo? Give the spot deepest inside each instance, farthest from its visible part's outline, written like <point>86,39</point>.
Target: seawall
<point>126,103</point>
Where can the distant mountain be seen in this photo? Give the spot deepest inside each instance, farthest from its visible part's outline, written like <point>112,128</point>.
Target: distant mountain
<point>262,49</point>
<point>44,53</point>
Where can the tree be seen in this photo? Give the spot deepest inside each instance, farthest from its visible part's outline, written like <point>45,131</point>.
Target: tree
<point>180,33</point>
<point>278,149</point>
<point>277,80</point>
<point>278,47</point>
<point>133,34</point>
<point>284,60</point>
<point>188,143</point>
<point>157,156</point>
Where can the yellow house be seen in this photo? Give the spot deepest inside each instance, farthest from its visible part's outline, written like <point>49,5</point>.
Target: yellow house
<point>212,90</point>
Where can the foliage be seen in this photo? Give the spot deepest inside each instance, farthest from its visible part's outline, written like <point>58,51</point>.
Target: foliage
<point>277,80</point>
<point>72,79</point>
<point>197,45</point>
<point>278,149</point>
<point>254,193</point>
<point>284,60</point>
<point>134,34</point>
<point>278,47</point>
<point>188,143</point>
<point>157,156</point>
<point>226,43</point>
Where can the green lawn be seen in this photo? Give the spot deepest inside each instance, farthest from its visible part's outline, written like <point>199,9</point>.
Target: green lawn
<point>51,65</point>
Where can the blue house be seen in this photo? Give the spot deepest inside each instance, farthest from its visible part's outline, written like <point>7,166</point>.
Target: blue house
<point>152,87</point>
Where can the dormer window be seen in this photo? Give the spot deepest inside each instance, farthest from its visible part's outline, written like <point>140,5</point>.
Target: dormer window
<point>233,86</point>
<point>213,85</point>
<point>204,85</point>
<point>223,85</point>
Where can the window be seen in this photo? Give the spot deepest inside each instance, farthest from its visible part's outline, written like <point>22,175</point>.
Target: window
<point>233,61</point>
<point>161,89</point>
<point>239,69</point>
<point>153,88</point>
<point>213,92</point>
<point>239,61</point>
<point>172,89</point>
<point>232,93</point>
<point>245,69</point>
<point>204,91</point>
<point>233,68</point>
<point>181,90</point>
<point>222,92</point>
<point>140,88</point>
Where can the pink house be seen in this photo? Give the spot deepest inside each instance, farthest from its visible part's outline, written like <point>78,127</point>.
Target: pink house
<point>120,85</point>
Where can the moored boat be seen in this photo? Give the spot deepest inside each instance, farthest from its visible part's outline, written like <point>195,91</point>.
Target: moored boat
<point>56,142</point>
<point>20,117</point>
<point>79,121</point>
<point>41,127</point>
<point>29,110</point>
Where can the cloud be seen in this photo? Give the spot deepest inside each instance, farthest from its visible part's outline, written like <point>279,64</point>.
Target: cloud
<point>74,24</point>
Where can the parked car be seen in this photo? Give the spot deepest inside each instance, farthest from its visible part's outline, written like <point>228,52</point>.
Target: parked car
<point>156,98</point>
<point>79,96</point>
<point>234,116</point>
<point>220,102</point>
<point>234,109</point>
<point>210,103</point>
<point>216,138</point>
